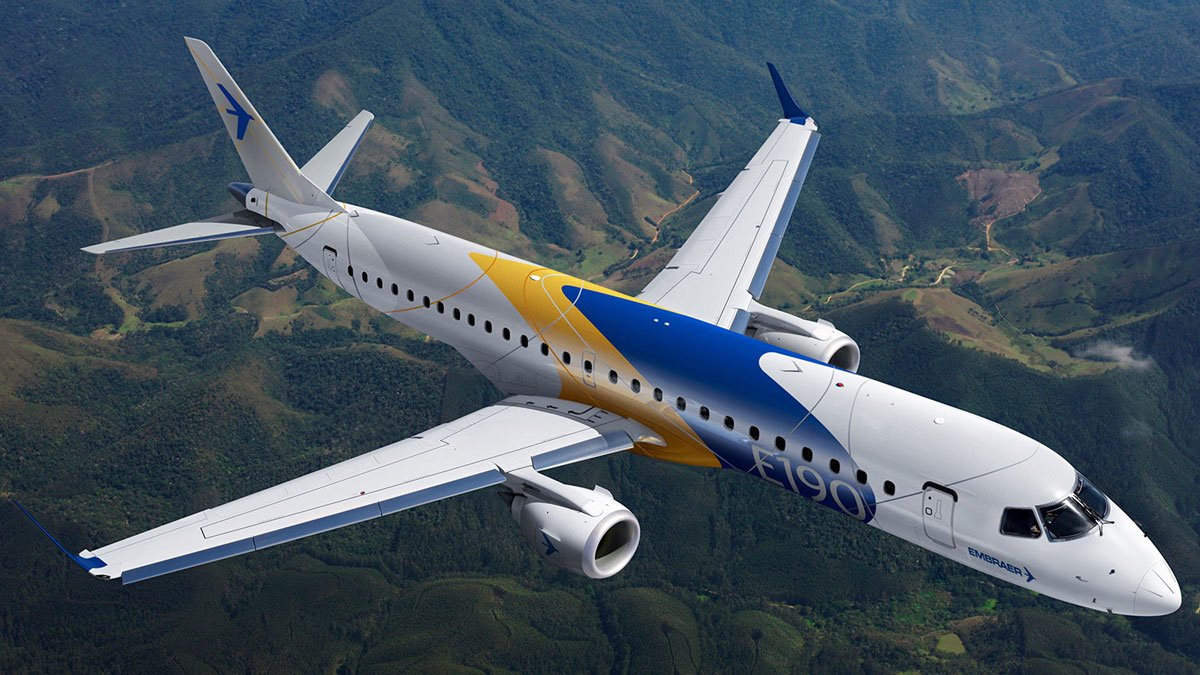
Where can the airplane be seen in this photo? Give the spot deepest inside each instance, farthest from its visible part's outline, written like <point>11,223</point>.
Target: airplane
<point>694,370</point>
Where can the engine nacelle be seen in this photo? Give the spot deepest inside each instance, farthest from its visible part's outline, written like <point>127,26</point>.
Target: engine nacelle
<point>587,532</point>
<point>818,340</point>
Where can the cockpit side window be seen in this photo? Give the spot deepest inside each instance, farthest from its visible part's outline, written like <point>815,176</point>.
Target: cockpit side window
<point>1091,497</point>
<point>1066,519</point>
<point>1017,522</point>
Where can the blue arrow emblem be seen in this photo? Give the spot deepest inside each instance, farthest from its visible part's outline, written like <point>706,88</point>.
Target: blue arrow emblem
<point>550,550</point>
<point>1030,575</point>
<point>243,117</point>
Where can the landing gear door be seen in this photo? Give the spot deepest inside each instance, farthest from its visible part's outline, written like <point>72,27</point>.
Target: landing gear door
<point>331,266</point>
<point>937,513</point>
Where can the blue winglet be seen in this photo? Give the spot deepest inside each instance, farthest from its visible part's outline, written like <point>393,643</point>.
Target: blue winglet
<point>85,563</point>
<point>791,109</point>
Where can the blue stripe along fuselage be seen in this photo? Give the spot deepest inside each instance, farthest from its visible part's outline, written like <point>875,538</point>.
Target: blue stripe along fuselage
<point>720,369</point>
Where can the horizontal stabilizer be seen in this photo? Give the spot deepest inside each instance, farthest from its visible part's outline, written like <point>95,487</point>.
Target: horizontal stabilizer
<point>326,167</point>
<point>229,226</point>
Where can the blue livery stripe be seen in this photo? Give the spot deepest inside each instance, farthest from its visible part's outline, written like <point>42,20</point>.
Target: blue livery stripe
<point>668,349</point>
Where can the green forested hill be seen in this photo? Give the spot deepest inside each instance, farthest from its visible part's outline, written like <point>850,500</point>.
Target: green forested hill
<point>1002,212</point>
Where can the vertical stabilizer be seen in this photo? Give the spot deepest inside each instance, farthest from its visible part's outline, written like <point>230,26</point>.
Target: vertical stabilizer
<point>270,167</point>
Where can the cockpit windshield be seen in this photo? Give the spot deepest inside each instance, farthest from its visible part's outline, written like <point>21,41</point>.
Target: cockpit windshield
<point>1066,519</point>
<point>1078,514</point>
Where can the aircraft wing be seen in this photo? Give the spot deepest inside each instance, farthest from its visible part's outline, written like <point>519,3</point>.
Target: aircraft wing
<point>470,453</point>
<point>723,265</point>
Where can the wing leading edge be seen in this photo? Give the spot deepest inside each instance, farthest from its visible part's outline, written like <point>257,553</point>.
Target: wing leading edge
<point>472,452</point>
<point>723,266</point>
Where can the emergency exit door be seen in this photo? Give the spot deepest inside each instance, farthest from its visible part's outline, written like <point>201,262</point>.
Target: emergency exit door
<point>331,265</point>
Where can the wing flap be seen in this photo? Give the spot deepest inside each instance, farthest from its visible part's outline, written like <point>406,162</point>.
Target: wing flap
<point>468,454</point>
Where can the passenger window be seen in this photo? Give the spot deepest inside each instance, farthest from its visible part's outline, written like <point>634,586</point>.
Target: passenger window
<point>545,349</point>
<point>507,334</point>
<point>835,466</point>
<point>350,270</point>
<point>658,395</point>
<point>566,358</point>
<point>680,403</point>
<point>395,289</point>
<point>806,453</point>
<point>364,277</point>
<point>612,376</point>
<point>457,314</point>
<point>780,444</point>
<point>441,307</point>
<point>425,301</point>
<point>1020,523</point>
<point>411,296</point>
<point>635,385</point>
<point>729,422</point>
<point>587,366</point>
<point>754,432</point>
<point>524,341</point>
<point>703,412</point>
<point>861,476</point>
<point>487,326</point>
<point>379,282</point>
<point>889,487</point>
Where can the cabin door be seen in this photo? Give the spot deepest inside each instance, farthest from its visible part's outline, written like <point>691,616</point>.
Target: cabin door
<point>937,512</point>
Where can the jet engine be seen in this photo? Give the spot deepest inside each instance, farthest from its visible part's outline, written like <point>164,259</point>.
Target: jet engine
<point>818,340</point>
<point>583,531</point>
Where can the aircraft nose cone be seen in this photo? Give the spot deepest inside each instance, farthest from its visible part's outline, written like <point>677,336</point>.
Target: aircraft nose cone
<point>1159,592</point>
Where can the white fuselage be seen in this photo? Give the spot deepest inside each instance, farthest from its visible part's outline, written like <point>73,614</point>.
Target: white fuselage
<point>926,472</point>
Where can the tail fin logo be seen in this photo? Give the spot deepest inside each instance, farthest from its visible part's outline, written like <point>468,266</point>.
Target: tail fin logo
<point>243,117</point>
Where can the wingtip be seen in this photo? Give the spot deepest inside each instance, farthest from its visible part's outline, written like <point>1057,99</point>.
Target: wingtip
<point>88,563</point>
<point>791,109</point>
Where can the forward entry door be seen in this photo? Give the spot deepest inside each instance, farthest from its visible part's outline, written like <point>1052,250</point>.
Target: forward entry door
<point>937,512</point>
